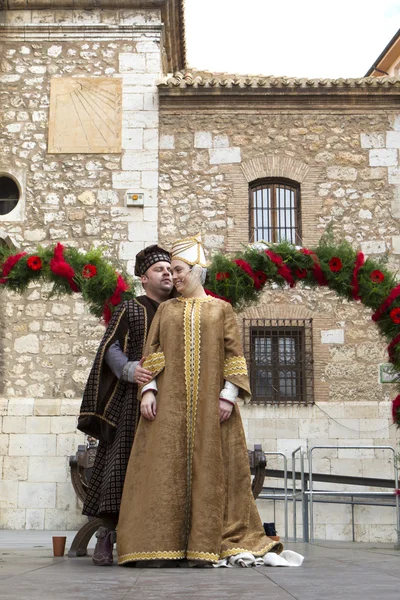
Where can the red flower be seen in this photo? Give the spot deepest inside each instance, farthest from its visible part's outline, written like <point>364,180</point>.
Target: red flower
<point>395,315</point>
<point>377,276</point>
<point>301,273</point>
<point>397,492</point>
<point>261,276</point>
<point>214,295</point>
<point>34,263</point>
<point>89,271</point>
<point>222,276</point>
<point>396,410</point>
<point>335,264</point>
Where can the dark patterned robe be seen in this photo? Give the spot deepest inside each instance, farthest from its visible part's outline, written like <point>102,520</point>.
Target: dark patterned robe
<point>110,410</point>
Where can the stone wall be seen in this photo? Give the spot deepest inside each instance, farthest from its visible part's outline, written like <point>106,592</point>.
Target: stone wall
<point>347,166</point>
<point>47,344</point>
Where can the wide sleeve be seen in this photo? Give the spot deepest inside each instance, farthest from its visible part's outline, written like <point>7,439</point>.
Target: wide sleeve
<point>235,367</point>
<point>153,352</point>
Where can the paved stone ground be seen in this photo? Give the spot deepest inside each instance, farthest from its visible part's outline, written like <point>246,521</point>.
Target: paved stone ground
<point>330,571</point>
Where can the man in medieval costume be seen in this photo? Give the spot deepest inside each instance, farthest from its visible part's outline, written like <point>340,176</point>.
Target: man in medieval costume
<point>109,410</point>
<point>187,494</point>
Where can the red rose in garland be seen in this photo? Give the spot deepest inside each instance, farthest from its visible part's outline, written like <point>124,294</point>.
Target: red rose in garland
<point>377,276</point>
<point>222,276</point>
<point>395,315</point>
<point>89,271</point>
<point>34,263</point>
<point>335,264</point>
<point>300,273</point>
<point>261,276</point>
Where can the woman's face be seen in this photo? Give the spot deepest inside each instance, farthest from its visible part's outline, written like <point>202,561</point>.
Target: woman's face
<point>180,275</point>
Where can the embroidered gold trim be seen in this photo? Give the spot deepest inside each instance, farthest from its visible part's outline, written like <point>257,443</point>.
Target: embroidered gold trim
<point>84,414</point>
<point>234,551</point>
<point>236,365</point>
<point>202,299</point>
<point>158,554</point>
<point>202,556</point>
<point>155,362</point>
<point>126,340</point>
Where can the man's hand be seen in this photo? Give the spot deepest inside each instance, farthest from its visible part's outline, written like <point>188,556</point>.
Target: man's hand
<point>142,376</point>
<point>148,405</point>
<point>225,410</point>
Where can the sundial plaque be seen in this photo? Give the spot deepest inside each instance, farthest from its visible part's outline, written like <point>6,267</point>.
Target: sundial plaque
<point>85,115</point>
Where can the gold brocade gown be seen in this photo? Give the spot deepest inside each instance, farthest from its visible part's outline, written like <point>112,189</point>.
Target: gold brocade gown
<point>187,491</point>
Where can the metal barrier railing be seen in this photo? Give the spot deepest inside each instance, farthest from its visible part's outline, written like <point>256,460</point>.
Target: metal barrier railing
<point>285,492</point>
<point>310,493</point>
<point>302,494</point>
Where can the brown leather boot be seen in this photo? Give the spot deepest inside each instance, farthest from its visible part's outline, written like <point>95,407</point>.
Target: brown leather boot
<point>103,552</point>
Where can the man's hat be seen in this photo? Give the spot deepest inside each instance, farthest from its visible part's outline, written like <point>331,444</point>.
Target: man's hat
<point>148,257</point>
<point>190,250</point>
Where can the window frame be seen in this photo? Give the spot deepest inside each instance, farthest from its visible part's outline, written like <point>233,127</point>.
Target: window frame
<point>276,329</point>
<point>273,183</point>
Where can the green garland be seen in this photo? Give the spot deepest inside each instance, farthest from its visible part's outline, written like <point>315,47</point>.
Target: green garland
<point>239,279</point>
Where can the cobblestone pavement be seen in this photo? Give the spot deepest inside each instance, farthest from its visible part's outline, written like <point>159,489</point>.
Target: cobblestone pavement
<point>330,570</point>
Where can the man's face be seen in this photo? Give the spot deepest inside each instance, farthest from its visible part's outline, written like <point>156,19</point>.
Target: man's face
<point>158,278</point>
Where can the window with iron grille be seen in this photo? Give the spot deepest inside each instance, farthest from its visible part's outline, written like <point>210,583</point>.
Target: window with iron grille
<point>280,359</point>
<point>275,211</point>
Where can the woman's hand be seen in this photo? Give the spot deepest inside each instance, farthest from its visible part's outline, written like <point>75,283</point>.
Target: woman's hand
<point>148,405</point>
<point>225,410</point>
<point>141,375</point>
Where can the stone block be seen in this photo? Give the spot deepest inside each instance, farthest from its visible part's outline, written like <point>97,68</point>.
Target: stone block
<point>130,62</point>
<point>150,139</point>
<point>142,232</point>
<point>128,250</point>
<point>147,119</point>
<point>35,518</point>
<point>47,407</point>
<point>373,247</point>
<point>374,515</point>
<point>27,344</point>
<point>332,336</point>
<point>167,142</point>
<point>15,468</point>
<point>151,101</point>
<point>372,140</point>
<point>394,175</point>
<point>132,139</point>
<point>66,499</point>
<point>14,425</point>
<point>332,513</point>
<point>338,532</point>
<point>132,101</point>
<point>147,47</point>
<point>383,533</point>
<point>125,180</point>
<point>36,495</point>
<point>150,180</point>
<point>378,467</point>
<point>32,445</point>
<point>342,173</point>
<point>396,244</point>
<point>153,64</point>
<point>290,445</point>
<point>220,141</point>
<point>137,80</point>
<point>70,406</point>
<point>150,214</point>
<point>203,139</point>
<point>224,156</point>
<point>3,406</point>
<point>345,428</point>
<point>315,429</point>
<point>20,406</point>
<point>287,428</point>
<point>383,158</point>
<point>12,518</point>
<point>140,160</point>
<point>4,443</point>
<point>55,519</point>
<point>63,424</point>
<point>53,469</point>
<point>8,494</point>
<point>393,139</point>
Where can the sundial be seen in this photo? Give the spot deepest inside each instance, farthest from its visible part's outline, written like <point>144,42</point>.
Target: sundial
<point>85,115</point>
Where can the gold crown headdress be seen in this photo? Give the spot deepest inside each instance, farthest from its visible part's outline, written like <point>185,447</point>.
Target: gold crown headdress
<point>190,250</point>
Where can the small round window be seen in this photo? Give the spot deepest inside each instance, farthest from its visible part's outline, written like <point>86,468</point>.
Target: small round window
<point>9,194</point>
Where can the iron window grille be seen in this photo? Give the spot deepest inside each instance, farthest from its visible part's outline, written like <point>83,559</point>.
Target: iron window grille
<point>274,211</point>
<point>280,360</point>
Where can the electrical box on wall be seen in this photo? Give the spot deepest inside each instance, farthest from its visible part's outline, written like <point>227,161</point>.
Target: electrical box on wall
<point>134,199</point>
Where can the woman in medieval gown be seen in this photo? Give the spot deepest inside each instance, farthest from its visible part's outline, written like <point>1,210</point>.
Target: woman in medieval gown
<point>187,492</point>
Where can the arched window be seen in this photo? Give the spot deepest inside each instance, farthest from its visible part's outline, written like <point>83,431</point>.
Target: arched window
<point>274,210</point>
<point>9,194</point>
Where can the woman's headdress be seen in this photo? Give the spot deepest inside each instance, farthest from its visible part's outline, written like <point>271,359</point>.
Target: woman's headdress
<point>190,250</point>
